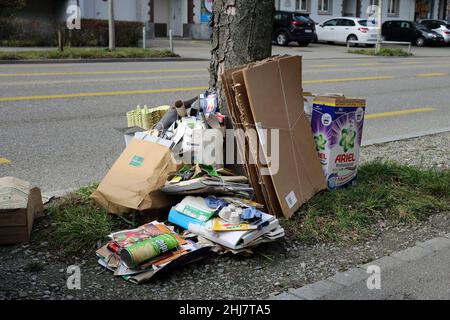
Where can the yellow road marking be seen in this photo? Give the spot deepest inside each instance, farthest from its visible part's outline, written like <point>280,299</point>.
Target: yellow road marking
<point>89,82</point>
<point>349,79</point>
<point>166,90</point>
<point>325,65</point>
<point>397,113</point>
<point>100,94</point>
<point>87,73</point>
<point>411,62</point>
<point>437,74</point>
<point>368,64</point>
<point>4,161</point>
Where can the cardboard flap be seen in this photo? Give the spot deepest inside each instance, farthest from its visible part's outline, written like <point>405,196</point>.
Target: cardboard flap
<point>274,92</point>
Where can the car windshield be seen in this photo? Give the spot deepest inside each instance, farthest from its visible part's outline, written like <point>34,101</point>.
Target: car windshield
<point>421,27</point>
<point>302,18</point>
<point>367,23</point>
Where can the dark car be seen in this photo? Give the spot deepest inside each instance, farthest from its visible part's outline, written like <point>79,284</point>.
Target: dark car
<point>408,31</point>
<point>293,26</point>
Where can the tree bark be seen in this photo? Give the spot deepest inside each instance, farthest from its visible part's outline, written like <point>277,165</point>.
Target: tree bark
<point>241,33</point>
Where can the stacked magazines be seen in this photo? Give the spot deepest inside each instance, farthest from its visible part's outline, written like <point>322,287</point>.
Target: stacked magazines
<point>138,254</point>
<point>195,216</point>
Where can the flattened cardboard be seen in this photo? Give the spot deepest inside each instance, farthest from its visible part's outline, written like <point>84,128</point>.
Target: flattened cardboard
<point>133,182</point>
<point>238,123</point>
<point>243,105</point>
<point>277,103</point>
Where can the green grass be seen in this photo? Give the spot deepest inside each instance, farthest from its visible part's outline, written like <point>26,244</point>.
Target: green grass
<point>385,194</point>
<point>85,53</point>
<point>385,52</point>
<point>76,223</point>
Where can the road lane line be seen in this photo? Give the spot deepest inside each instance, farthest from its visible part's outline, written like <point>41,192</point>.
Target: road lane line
<point>100,94</point>
<point>87,73</point>
<point>167,90</point>
<point>397,113</point>
<point>372,64</point>
<point>348,79</point>
<point>436,74</point>
<point>101,80</point>
<point>4,161</point>
<point>325,65</point>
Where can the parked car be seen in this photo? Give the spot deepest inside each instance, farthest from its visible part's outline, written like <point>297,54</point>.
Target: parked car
<point>440,26</point>
<point>293,26</point>
<point>408,31</point>
<point>344,29</point>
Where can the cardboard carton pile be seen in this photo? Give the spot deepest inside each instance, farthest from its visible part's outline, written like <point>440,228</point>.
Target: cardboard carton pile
<point>207,207</point>
<point>266,96</point>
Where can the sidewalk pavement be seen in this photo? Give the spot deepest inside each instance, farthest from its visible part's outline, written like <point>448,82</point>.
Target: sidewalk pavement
<point>201,49</point>
<point>417,273</point>
<point>315,51</point>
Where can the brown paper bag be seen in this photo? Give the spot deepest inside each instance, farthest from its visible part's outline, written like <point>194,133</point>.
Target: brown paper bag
<point>133,182</point>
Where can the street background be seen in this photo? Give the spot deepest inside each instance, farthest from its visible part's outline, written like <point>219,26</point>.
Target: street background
<point>58,121</point>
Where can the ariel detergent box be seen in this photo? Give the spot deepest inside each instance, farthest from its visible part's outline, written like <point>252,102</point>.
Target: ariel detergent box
<point>337,124</point>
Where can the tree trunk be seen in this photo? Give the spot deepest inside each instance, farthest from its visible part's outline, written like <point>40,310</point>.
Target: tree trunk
<point>241,33</point>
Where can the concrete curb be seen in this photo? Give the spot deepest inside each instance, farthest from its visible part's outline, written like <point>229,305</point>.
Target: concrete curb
<point>405,136</point>
<point>342,280</point>
<point>68,61</point>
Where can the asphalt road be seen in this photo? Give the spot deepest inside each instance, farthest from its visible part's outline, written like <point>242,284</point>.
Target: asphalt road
<point>57,122</point>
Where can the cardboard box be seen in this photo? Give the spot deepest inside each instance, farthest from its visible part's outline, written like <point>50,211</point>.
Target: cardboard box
<point>267,95</point>
<point>337,124</point>
<point>133,182</point>
<point>240,123</point>
<point>19,205</point>
<point>273,89</point>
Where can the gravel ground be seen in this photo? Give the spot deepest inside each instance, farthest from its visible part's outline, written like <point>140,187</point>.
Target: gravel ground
<point>426,152</point>
<point>31,271</point>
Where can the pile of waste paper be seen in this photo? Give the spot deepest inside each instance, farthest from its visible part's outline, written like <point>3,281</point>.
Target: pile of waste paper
<point>137,255</point>
<point>172,168</point>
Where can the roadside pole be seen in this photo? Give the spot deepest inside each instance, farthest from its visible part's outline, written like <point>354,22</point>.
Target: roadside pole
<point>379,17</point>
<point>112,37</point>
<point>144,38</point>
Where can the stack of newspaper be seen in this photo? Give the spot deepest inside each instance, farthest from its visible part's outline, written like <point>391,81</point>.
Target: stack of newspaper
<point>128,256</point>
<point>195,216</point>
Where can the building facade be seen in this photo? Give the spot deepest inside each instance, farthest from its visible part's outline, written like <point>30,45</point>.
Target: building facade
<point>186,18</point>
<point>189,18</point>
<point>321,10</point>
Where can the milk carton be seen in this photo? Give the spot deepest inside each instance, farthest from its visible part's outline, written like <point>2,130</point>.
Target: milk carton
<point>337,124</point>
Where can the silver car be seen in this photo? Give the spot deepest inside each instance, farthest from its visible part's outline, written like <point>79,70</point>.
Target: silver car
<point>440,26</point>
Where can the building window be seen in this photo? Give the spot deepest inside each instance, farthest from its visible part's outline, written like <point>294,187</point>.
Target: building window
<point>301,5</point>
<point>393,7</point>
<point>324,6</point>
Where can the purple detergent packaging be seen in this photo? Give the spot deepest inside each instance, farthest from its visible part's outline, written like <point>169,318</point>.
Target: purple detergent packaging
<point>337,124</point>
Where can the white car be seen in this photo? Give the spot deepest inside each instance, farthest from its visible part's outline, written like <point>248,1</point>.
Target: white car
<point>344,29</point>
<point>440,26</point>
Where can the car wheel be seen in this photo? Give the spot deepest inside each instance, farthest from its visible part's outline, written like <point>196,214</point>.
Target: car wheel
<point>282,39</point>
<point>352,37</point>
<point>420,41</point>
<point>303,43</point>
